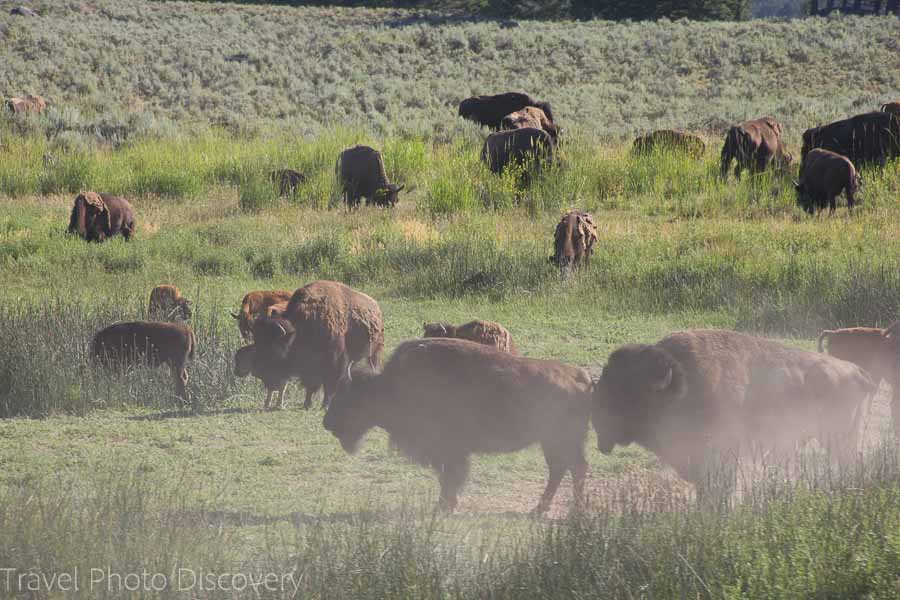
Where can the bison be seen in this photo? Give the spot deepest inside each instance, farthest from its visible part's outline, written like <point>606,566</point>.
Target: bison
<point>490,110</point>
<point>96,217</point>
<point>442,400</point>
<point>517,147</point>
<point>22,11</point>
<point>478,331</point>
<point>823,176</point>
<point>671,140</point>
<point>533,117</point>
<point>874,349</point>
<point>362,175</point>
<point>696,395</point>
<point>167,303</point>
<point>255,304</point>
<point>148,343</point>
<point>27,105</point>
<point>754,145</point>
<point>868,138</point>
<point>573,240</point>
<point>287,180</point>
<point>334,326</point>
<point>891,107</point>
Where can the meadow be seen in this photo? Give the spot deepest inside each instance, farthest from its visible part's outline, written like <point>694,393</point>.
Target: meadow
<point>100,472</point>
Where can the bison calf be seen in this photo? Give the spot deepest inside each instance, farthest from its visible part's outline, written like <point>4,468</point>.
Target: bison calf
<point>287,180</point>
<point>166,303</point>
<point>147,343</point>
<point>823,176</point>
<point>442,400</point>
<point>478,331</point>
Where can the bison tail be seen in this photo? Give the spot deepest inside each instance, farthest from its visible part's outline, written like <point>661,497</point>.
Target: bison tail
<point>193,342</point>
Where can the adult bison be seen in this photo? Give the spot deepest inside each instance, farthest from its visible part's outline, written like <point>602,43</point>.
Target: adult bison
<point>696,396</point>
<point>255,304</point>
<point>442,400</point>
<point>362,175</point>
<point>517,147</point>
<point>490,110</point>
<point>823,176</point>
<point>755,145</point>
<point>533,117</point>
<point>167,303</point>
<point>868,138</point>
<point>147,343</point>
<point>334,326</point>
<point>573,240</point>
<point>671,140</point>
<point>27,105</point>
<point>96,217</point>
<point>287,180</point>
<point>478,331</point>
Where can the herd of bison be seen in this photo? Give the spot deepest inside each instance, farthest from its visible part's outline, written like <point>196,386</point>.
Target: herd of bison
<point>462,390</point>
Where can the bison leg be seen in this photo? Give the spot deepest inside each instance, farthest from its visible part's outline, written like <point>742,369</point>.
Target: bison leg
<point>269,395</point>
<point>309,396</point>
<point>453,474</point>
<point>181,379</point>
<point>557,465</point>
<point>281,395</point>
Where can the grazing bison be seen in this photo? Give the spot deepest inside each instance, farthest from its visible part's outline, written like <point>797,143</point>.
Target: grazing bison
<point>267,360</point>
<point>874,349</point>
<point>518,146</point>
<point>255,304</point>
<point>754,145</point>
<point>167,303</point>
<point>478,331</point>
<point>490,110</point>
<point>442,400</point>
<point>96,217</point>
<point>892,108</point>
<point>669,139</point>
<point>334,326</point>
<point>696,395</point>
<point>287,180</point>
<point>531,117</point>
<point>823,176</point>
<point>27,105</point>
<point>573,240</point>
<point>147,343</point>
<point>362,175</point>
<point>868,138</point>
<point>23,11</point>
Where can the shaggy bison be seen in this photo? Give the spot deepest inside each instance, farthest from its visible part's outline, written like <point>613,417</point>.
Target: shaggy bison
<point>754,145</point>
<point>147,343</point>
<point>696,395</point>
<point>573,240</point>
<point>478,331</point>
<point>167,303</point>
<point>868,138</point>
<point>362,175</point>
<point>823,176</point>
<point>531,117</point>
<point>442,400</point>
<point>671,140</point>
<point>490,110</point>
<point>517,147</point>
<point>287,180</point>
<point>27,105</point>
<point>255,304</point>
<point>96,217</point>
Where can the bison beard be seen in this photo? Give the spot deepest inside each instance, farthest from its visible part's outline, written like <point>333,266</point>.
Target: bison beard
<point>442,400</point>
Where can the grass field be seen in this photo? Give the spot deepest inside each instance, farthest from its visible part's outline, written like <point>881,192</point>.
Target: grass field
<point>103,473</point>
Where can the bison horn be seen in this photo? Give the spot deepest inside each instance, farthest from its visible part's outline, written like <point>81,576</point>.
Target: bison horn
<point>664,383</point>
<point>349,375</point>
<point>282,329</point>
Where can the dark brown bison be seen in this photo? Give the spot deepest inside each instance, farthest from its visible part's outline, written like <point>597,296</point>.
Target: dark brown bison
<point>892,107</point>
<point>517,147</point>
<point>147,343</point>
<point>268,360</point>
<point>478,331</point>
<point>754,145</point>
<point>27,105</point>
<point>874,349</point>
<point>573,240</point>
<point>490,110</point>
<point>96,217</point>
<point>823,176</point>
<point>167,303</point>
<point>255,304</point>
<point>287,180</point>
<point>532,117</point>
<point>442,400</point>
<point>22,11</point>
<point>670,140</point>
<point>334,326</point>
<point>868,138</point>
<point>696,396</point>
<point>362,175</point>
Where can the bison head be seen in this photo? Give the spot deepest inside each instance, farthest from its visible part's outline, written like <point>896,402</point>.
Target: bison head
<point>352,411</point>
<point>438,329</point>
<point>638,381</point>
<point>243,360</point>
<point>184,307</point>
<point>274,335</point>
<point>388,196</point>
